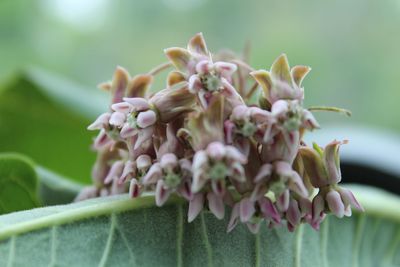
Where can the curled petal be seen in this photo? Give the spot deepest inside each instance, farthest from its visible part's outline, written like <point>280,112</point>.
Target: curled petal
<point>216,205</point>
<point>143,162</point>
<point>169,161</point>
<point>195,206</point>
<point>216,150</point>
<point>235,215</point>
<point>282,202</point>
<point>146,118</point>
<point>123,107</point>
<point>117,119</point>
<point>335,203</point>
<point>154,174</point>
<point>204,66</point>
<point>134,188</point>
<point>309,120</point>
<point>263,78</point>
<point>280,69</point>
<point>264,172</point>
<point>115,171</point>
<point>225,69</point>
<point>162,194</point>
<point>298,73</point>
<point>332,162</point>
<point>247,209</point>
<point>138,103</point>
<point>100,122</point>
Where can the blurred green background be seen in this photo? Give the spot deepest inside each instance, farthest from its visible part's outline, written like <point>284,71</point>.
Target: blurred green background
<point>352,47</point>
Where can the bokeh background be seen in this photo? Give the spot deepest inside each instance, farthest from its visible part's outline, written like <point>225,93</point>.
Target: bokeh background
<point>352,47</point>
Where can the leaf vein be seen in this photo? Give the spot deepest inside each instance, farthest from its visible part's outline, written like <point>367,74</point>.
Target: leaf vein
<point>206,241</point>
<point>11,254</point>
<point>110,238</point>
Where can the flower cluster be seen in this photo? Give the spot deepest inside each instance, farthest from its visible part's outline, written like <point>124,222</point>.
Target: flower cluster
<point>217,141</point>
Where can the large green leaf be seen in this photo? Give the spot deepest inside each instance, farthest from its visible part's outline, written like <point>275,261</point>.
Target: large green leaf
<point>18,184</point>
<point>45,117</point>
<point>118,231</point>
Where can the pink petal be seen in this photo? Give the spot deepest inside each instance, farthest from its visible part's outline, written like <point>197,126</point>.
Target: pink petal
<point>216,205</point>
<point>264,172</point>
<point>235,214</point>
<point>200,159</point>
<point>169,161</point>
<point>185,190</point>
<point>309,120</point>
<point>128,131</point>
<point>144,135</point>
<point>138,103</point>
<point>218,187</point>
<point>195,84</point>
<point>247,209</point>
<point>296,184</point>
<point>143,162</point>
<point>195,206</point>
<point>293,214</point>
<point>234,154</point>
<point>123,107</point>
<point>154,174</point>
<point>198,181</point>
<point>101,140</point>
<point>318,207</point>
<point>134,188</point>
<point>100,122</point>
<point>117,119</point>
<point>349,199</point>
<point>335,203</point>
<point>115,171</point>
<point>226,69</point>
<point>203,67</point>
<point>268,210</point>
<point>240,112</point>
<point>162,194</point>
<point>282,201</point>
<point>279,108</point>
<point>216,150</point>
<point>146,118</point>
<point>128,172</point>
<point>229,127</point>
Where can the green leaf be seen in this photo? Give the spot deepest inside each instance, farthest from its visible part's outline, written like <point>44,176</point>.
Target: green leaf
<point>118,231</point>
<point>45,117</point>
<point>55,189</point>
<point>18,184</point>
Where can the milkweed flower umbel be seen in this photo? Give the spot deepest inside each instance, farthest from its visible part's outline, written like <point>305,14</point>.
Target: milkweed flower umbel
<point>209,138</point>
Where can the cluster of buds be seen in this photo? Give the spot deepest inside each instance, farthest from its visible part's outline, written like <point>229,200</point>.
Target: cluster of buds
<point>214,139</point>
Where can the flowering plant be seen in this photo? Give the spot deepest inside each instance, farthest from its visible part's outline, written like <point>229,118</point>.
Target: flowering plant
<point>216,140</point>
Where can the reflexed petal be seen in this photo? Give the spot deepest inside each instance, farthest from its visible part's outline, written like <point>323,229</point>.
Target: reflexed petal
<point>134,188</point>
<point>241,112</point>
<point>198,181</point>
<point>296,184</point>
<point>169,161</point>
<point>115,171</point>
<point>229,127</point>
<point>216,205</point>
<point>195,206</point>
<point>138,103</point>
<point>143,162</point>
<point>200,160</point>
<point>234,154</point>
<point>282,202</point>
<point>144,135</point>
<point>101,140</point>
<point>204,66</point>
<point>309,120</point>
<point>123,107</point>
<point>117,119</point>
<point>265,171</point>
<point>128,131</point>
<point>280,108</point>
<point>154,174</point>
<point>235,214</point>
<point>259,115</point>
<point>118,84</point>
<point>238,172</point>
<point>146,118</point>
<point>335,203</point>
<point>216,150</point>
<point>86,193</point>
<point>314,167</point>
<point>293,214</point>
<point>100,122</point>
<point>247,209</point>
<point>185,190</point>
<point>138,85</point>
<point>318,207</point>
<point>128,172</point>
<point>332,162</point>
<point>268,210</point>
<point>162,194</point>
